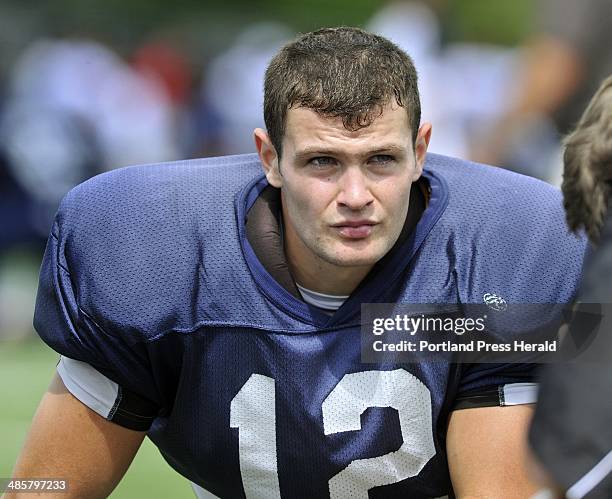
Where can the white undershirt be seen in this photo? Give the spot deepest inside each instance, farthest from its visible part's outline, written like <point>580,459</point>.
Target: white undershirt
<point>329,303</point>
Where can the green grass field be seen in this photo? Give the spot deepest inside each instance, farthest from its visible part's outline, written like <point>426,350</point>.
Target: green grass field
<point>26,369</point>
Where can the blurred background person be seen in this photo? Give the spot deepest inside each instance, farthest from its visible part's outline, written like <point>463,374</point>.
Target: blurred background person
<point>462,83</point>
<point>562,64</point>
<point>233,83</point>
<point>571,434</point>
<point>128,111</point>
<point>72,109</point>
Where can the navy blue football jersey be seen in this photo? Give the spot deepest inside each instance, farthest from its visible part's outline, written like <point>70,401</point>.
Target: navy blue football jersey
<point>149,278</point>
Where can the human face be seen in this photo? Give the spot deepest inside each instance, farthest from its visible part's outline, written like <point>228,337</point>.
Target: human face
<point>344,193</point>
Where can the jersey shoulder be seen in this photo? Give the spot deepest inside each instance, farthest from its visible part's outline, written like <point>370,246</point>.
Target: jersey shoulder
<point>131,195</point>
<point>137,241</point>
<point>507,233</point>
<point>480,193</point>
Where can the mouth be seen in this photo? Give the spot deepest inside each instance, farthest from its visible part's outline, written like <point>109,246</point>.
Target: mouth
<point>357,229</point>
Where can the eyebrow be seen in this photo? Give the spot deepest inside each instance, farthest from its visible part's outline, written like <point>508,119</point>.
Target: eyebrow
<point>323,151</point>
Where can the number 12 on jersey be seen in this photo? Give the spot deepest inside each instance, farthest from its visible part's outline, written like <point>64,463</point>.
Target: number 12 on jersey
<point>253,412</point>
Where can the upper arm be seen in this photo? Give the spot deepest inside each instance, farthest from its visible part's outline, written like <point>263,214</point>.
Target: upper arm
<point>67,440</point>
<point>487,452</point>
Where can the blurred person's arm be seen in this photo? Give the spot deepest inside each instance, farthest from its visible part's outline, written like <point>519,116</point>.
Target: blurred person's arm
<point>553,68</point>
<point>487,452</point>
<point>68,441</point>
<point>551,73</point>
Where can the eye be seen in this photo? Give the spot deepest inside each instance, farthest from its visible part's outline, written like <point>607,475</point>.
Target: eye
<point>381,159</point>
<point>321,162</point>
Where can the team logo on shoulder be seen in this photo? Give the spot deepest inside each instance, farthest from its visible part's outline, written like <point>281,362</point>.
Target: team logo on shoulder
<point>495,302</point>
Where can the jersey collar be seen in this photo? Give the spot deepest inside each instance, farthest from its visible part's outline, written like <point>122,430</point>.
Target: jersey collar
<point>374,287</point>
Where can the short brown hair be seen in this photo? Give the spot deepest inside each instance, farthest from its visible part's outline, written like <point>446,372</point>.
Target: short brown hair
<point>588,165</point>
<point>339,72</point>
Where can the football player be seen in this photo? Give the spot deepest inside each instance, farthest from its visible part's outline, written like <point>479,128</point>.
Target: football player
<point>217,309</point>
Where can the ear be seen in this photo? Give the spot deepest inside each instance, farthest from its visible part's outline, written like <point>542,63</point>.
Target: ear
<point>420,146</point>
<point>268,157</point>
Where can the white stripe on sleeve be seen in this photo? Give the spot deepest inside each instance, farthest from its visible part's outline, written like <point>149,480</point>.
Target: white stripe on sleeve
<point>520,393</point>
<point>88,385</point>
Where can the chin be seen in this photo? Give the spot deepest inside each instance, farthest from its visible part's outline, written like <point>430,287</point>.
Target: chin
<point>354,258</point>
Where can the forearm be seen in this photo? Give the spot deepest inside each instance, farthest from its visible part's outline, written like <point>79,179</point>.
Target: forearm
<point>68,441</point>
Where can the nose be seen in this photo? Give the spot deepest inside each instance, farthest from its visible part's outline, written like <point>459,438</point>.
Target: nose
<point>354,189</point>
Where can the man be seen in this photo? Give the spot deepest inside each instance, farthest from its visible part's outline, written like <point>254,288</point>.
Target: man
<point>219,310</point>
<point>571,432</point>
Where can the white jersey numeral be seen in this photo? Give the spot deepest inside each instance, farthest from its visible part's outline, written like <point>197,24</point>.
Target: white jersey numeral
<point>342,410</point>
<point>252,410</point>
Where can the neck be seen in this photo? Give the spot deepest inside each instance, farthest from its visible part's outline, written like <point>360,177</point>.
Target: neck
<point>326,278</point>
